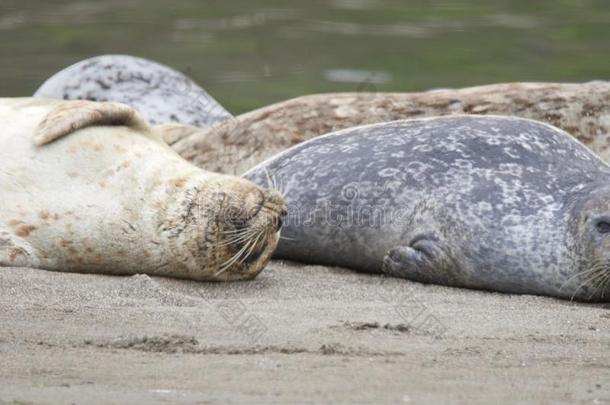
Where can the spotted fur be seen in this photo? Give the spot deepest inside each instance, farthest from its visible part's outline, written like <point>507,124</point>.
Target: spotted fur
<point>495,203</point>
<point>159,93</point>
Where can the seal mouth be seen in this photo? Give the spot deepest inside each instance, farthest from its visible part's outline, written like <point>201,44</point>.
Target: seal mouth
<point>249,257</point>
<point>250,236</point>
<point>256,254</point>
<point>251,249</point>
<point>592,284</point>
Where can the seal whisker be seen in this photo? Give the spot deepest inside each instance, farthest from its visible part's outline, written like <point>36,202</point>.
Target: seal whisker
<point>234,241</point>
<point>237,238</point>
<point>237,258</point>
<point>273,183</point>
<point>594,274</point>
<point>591,275</point>
<point>233,231</point>
<point>593,282</point>
<point>274,180</point>
<point>269,181</point>
<point>580,274</point>
<point>225,266</point>
<point>254,245</point>
<point>605,284</point>
<point>282,188</point>
<point>599,280</point>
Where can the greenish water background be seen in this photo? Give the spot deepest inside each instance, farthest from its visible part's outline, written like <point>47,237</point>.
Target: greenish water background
<point>250,53</point>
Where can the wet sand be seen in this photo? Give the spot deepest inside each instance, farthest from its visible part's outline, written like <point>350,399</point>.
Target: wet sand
<point>296,334</point>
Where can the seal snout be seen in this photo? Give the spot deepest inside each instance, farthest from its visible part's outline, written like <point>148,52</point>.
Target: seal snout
<point>280,220</point>
<point>250,232</point>
<point>269,204</point>
<point>272,205</point>
<point>268,220</point>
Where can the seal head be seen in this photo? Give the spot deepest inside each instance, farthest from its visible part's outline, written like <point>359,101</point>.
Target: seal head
<point>590,252</point>
<point>226,226</point>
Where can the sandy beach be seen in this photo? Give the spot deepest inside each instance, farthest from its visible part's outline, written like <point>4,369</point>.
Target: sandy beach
<point>296,334</point>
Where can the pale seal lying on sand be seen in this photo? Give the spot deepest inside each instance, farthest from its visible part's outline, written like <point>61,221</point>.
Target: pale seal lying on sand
<point>159,93</point>
<point>238,144</point>
<point>80,195</point>
<point>495,203</point>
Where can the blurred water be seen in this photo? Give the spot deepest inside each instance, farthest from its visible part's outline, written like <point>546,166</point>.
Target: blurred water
<point>249,53</point>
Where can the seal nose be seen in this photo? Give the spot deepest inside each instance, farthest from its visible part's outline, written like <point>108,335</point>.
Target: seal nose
<point>280,219</point>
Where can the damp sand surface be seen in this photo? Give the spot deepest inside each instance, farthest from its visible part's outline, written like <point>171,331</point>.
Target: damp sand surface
<point>296,334</point>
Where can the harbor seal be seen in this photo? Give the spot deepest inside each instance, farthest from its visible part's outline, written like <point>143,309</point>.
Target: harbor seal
<point>494,203</point>
<point>159,93</point>
<point>89,187</point>
<point>236,145</point>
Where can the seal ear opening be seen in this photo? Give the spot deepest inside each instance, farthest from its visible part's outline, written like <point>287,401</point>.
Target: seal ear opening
<point>70,116</point>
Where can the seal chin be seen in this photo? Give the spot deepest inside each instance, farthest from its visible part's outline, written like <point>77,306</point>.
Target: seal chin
<point>591,284</point>
<point>599,281</point>
<point>253,263</point>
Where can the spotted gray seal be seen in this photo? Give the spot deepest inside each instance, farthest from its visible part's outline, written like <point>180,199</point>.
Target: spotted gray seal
<point>495,203</point>
<point>89,187</point>
<point>159,93</point>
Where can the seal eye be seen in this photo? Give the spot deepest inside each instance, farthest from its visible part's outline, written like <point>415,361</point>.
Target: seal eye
<point>603,227</point>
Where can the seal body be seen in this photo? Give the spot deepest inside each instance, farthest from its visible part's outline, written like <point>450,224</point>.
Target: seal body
<point>81,195</point>
<point>159,93</point>
<point>235,146</point>
<point>494,203</point>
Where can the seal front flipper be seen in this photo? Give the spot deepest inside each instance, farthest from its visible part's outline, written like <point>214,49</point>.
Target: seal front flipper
<point>423,259</point>
<point>172,132</point>
<point>71,116</point>
<point>15,252</point>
